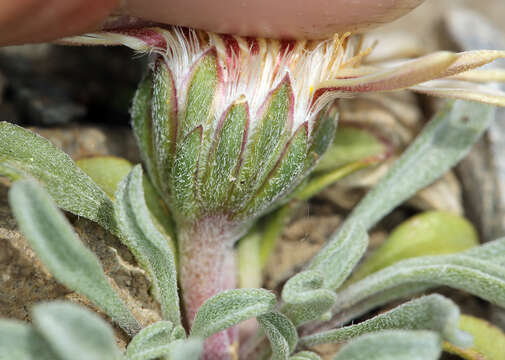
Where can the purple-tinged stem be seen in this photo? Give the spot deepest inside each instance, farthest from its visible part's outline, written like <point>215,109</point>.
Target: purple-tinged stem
<point>207,267</point>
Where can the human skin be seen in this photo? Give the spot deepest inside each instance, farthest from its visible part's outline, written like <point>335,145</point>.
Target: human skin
<point>29,21</point>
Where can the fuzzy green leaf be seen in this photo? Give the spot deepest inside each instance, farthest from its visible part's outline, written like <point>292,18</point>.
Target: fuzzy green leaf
<point>106,171</point>
<point>74,332</point>
<point>164,123</point>
<point>430,233</point>
<point>224,156</point>
<point>433,312</point>
<point>305,355</point>
<point>25,154</point>
<point>393,345</point>
<point>323,133</point>
<point>190,349</point>
<point>151,342</point>
<point>149,246</point>
<point>306,298</point>
<point>141,122</point>
<point>59,248</point>
<point>184,174</point>
<point>341,254</point>
<point>281,332</point>
<point>201,92</point>
<point>476,271</point>
<point>441,144</point>
<point>284,175</point>
<point>229,308</point>
<point>20,342</point>
<point>266,142</point>
<point>351,144</point>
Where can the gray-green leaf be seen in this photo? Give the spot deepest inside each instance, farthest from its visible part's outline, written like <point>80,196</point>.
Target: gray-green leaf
<point>148,245</point>
<point>20,342</point>
<point>75,333</point>
<point>433,312</point>
<point>339,257</point>
<point>59,248</point>
<point>442,143</point>
<point>25,154</point>
<point>306,298</point>
<point>229,308</point>
<point>393,345</point>
<point>478,271</point>
<point>151,342</point>
<point>281,332</point>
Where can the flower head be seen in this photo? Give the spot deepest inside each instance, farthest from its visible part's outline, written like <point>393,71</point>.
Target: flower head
<point>229,125</point>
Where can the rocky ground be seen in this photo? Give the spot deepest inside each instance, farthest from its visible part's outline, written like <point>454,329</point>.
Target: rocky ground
<point>79,98</point>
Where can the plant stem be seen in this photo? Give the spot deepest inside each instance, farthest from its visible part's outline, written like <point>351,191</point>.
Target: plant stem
<point>207,267</point>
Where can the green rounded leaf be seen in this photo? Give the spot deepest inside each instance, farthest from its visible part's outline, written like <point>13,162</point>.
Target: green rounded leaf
<point>351,144</point>
<point>430,233</point>
<point>106,171</point>
<point>488,340</point>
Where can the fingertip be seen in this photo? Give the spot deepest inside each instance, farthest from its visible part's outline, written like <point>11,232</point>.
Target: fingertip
<point>29,21</point>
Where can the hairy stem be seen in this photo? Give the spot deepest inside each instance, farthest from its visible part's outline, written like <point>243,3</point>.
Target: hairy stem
<point>207,267</point>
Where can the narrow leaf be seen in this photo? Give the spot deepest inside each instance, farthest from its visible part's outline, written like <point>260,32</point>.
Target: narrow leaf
<point>480,276</point>
<point>164,123</point>
<point>151,342</point>
<point>339,257</point>
<point>281,332</point>
<point>224,156</point>
<point>266,142</point>
<point>75,333</point>
<point>184,174</point>
<point>59,248</point>
<point>433,312</point>
<point>283,176</point>
<point>142,125</point>
<point>442,143</point>
<point>201,92</point>
<point>229,308</point>
<point>25,154</point>
<point>150,247</point>
<point>249,264</point>
<point>393,345</point>
<point>430,233</point>
<point>306,298</point>
<point>323,132</point>
<point>20,342</point>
